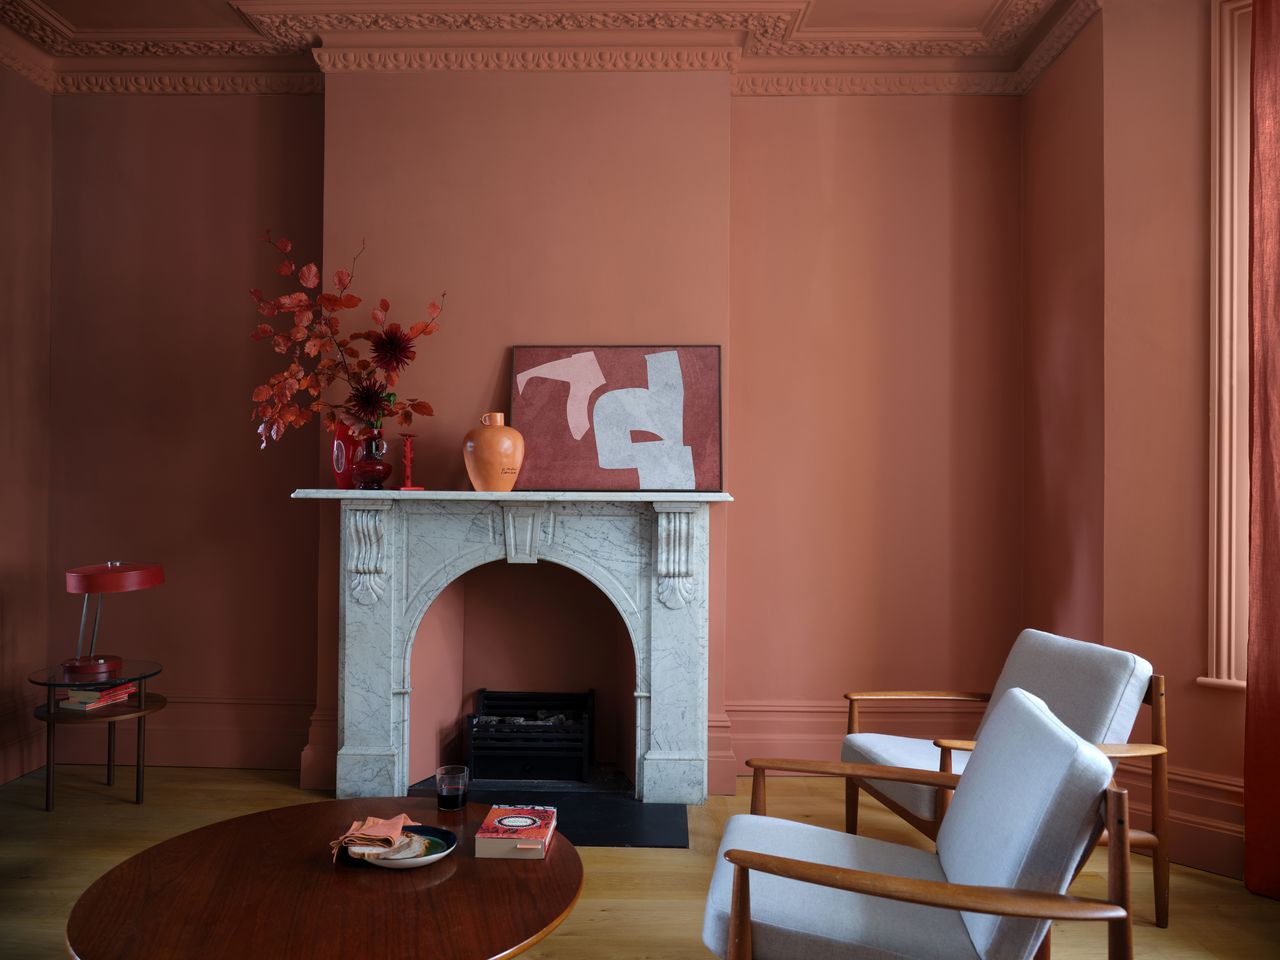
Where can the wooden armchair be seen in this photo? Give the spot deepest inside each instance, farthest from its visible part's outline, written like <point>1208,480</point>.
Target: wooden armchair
<point>1000,872</point>
<point>1054,668</point>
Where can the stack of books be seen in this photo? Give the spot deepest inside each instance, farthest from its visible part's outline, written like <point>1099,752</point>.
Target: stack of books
<point>91,698</point>
<point>516,833</point>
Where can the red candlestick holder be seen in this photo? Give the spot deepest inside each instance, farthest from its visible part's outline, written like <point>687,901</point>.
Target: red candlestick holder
<point>406,459</point>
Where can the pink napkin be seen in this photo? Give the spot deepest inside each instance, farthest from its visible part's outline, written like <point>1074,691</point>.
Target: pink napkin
<point>373,831</point>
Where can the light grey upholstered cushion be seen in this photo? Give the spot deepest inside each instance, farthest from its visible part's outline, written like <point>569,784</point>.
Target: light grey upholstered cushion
<point>791,920</point>
<point>915,754</point>
<point>1023,815</point>
<point>1094,690</point>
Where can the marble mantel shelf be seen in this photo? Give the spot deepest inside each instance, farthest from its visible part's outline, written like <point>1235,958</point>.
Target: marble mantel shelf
<point>519,496</point>
<point>648,552</point>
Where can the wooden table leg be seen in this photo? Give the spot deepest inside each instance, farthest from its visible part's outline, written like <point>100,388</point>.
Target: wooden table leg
<point>49,727</point>
<point>142,741</point>
<point>111,753</point>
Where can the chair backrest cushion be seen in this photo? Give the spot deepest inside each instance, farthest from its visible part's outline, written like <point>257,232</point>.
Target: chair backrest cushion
<point>1094,690</point>
<point>1026,809</point>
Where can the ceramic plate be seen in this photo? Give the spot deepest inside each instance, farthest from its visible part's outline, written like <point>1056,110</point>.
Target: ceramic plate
<point>441,842</point>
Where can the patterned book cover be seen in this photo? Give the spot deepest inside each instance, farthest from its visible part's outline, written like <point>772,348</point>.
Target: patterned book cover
<point>516,832</point>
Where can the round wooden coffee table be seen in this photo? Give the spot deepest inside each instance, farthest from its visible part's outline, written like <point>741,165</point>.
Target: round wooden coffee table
<point>264,885</point>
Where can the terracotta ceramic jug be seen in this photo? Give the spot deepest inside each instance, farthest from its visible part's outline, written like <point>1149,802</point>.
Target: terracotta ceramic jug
<point>493,453</point>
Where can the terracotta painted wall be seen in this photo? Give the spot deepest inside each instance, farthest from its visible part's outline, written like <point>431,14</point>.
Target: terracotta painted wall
<point>875,407</point>
<point>26,197</point>
<point>158,203</point>
<point>1063,245</point>
<point>555,208</point>
<point>1156,76</point>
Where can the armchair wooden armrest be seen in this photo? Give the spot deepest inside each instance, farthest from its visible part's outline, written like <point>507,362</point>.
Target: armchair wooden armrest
<point>1121,751</point>
<point>855,697</point>
<point>835,768</point>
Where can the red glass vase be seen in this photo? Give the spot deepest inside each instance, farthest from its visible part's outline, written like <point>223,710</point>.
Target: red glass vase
<point>370,469</point>
<point>345,451</point>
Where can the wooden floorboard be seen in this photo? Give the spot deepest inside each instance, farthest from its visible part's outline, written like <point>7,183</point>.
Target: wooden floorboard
<point>637,904</point>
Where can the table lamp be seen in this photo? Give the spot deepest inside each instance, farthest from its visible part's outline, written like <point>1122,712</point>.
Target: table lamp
<point>114,576</point>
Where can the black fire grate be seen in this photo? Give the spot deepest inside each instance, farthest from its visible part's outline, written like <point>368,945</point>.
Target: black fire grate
<point>530,736</point>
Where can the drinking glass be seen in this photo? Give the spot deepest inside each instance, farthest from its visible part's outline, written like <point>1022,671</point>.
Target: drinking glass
<point>451,787</point>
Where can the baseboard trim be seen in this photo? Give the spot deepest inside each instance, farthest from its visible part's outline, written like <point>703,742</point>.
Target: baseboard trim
<point>1206,815</point>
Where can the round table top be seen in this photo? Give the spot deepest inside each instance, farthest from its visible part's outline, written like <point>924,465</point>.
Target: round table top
<point>264,885</point>
<point>56,676</point>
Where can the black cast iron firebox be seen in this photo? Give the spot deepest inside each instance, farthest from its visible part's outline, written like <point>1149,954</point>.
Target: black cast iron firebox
<point>515,735</point>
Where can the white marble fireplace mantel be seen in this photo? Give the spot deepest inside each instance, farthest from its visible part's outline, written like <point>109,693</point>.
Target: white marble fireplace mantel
<point>648,553</point>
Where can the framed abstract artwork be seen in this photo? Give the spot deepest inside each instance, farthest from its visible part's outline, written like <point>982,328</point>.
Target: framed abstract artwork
<point>618,418</point>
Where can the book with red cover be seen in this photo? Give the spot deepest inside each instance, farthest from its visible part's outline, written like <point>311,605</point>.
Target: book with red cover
<point>105,701</point>
<point>94,694</point>
<point>516,832</point>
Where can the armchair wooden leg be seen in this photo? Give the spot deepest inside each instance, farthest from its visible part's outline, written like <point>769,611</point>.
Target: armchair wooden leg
<point>1043,952</point>
<point>1160,802</point>
<point>851,793</point>
<point>740,916</point>
<point>758,806</point>
<point>1119,932</point>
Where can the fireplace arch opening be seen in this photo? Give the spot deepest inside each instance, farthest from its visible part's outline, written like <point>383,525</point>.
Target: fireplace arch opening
<point>536,628</point>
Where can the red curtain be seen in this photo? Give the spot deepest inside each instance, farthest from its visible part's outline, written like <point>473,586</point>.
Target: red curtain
<point>1262,723</point>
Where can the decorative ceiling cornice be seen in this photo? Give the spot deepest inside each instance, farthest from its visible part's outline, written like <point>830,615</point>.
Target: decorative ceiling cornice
<point>771,84</point>
<point>26,61</point>
<point>595,59</point>
<point>766,44</point>
<point>773,28</point>
<point>1055,41</point>
<point>189,83</point>
<point>44,27</point>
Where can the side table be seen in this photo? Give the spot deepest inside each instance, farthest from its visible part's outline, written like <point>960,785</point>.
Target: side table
<point>137,706</point>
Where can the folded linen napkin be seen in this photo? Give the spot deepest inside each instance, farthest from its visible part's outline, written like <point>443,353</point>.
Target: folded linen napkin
<point>374,831</point>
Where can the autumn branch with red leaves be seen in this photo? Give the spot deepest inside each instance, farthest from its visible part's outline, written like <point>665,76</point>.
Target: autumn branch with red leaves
<point>319,355</point>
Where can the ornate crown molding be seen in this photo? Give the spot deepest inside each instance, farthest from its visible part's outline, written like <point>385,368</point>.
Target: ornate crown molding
<point>772,29</point>
<point>384,60</point>
<point>189,83</point>
<point>783,84</point>
<point>871,84</point>
<point>1055,41</point>
<point>1011,24</point>
<point>288,23</point>
<point>44,27</point>
<point>508,35</point>
<point>26,61</point>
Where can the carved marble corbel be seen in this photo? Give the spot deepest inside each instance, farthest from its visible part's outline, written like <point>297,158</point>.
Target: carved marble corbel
<point>522,529</point>
<point>677,585</point>
<point>367,554</point>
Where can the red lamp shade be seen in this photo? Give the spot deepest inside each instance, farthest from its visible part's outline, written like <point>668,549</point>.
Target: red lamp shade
<point>115,577</point>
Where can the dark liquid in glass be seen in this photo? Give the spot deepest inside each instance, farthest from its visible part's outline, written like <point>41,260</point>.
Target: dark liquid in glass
<point>451,799</point>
